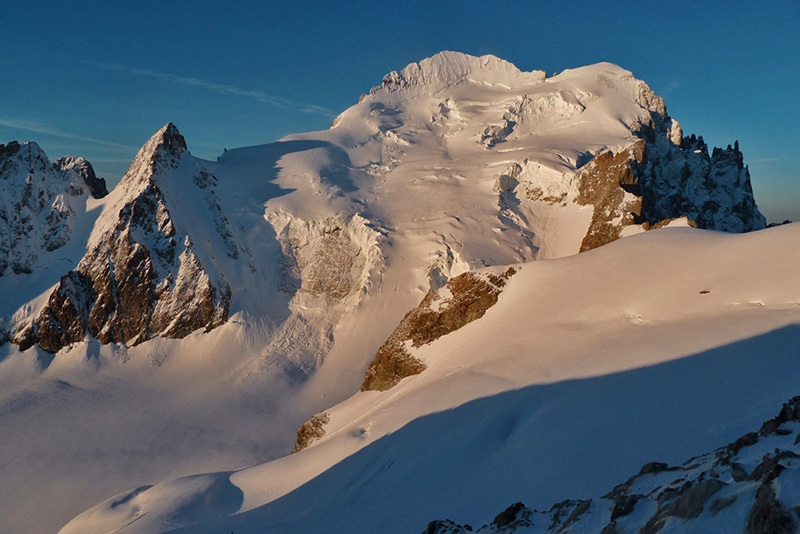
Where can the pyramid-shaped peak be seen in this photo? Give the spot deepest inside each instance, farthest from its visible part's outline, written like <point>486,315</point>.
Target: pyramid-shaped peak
<point>170,140</point>
<point>161,152</point>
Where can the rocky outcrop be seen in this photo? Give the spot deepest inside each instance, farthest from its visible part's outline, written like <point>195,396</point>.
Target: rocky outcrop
<point>609,184</point>
<point>712,190</point>
<point>325,260</point>
<point>83,169</point>
<point>40,203</point>
<point>139,277</point>
<point>311,431</point>
<point>748,483</point>
<point>464,299</point>
<point>663,176</point>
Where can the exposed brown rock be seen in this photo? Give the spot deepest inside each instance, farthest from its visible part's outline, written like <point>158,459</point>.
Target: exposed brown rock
<point>311,431</point>
<point>124,292</point>
<point>391,364</point>
<point>537,193</point>
<point>602,184</point>
<point>137,280</point>
<point>668,178</point>
<point>470,296</point>
<point>330,268</point>
<point>63,320</point>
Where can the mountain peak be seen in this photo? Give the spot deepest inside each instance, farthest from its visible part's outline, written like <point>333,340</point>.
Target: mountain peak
<point>166,146</point>
<point>136,280</point>
<point>171,138</point>
<point>97,186</point>
<point>449,68</point>
<point>161,152</point>
<point>27,150</point>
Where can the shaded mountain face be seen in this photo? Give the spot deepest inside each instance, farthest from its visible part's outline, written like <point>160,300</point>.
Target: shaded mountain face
<point>40,203</point>
<point>467,161</point>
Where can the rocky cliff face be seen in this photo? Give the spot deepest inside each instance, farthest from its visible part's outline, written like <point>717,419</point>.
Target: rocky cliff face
<point>40,203</point>
<point>664,176</point>
<point>140,277</point>
<point>712,190</point>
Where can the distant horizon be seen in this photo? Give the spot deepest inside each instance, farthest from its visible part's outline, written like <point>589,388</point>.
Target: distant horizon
<point>98,81</point>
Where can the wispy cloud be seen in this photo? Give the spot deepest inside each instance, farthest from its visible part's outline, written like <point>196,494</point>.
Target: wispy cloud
<point>762,160</point>
<point>672,86</point>
<point>222,88</point>
<point>42,128</point>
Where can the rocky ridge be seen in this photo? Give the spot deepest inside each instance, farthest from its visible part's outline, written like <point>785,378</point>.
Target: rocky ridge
<point>40,203</point>
<point>465,298</point>
<point>663,176</point>
<point>746,486</point>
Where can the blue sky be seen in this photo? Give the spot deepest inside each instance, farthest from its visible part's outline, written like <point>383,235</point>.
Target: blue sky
<point>97,79</point>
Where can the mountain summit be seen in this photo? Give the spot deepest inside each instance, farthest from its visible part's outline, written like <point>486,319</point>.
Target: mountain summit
<point>451,68</point>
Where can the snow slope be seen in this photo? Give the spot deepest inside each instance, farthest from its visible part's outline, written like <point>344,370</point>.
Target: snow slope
<point>654,348</point>
<point>326,240</point>
<point>749,485</point>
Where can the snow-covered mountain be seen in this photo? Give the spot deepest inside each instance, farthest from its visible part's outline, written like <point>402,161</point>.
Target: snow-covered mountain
<point>211,307</point>
<point>139,278</point>
<point>41,203</point>
<point>471,142</point>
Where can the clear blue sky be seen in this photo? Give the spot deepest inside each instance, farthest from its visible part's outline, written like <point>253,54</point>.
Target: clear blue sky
<point>96,79</point>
